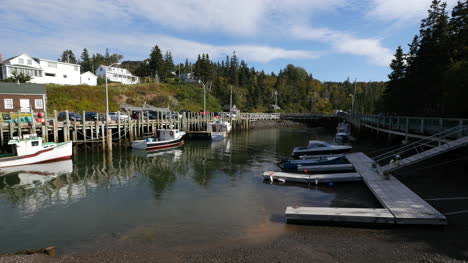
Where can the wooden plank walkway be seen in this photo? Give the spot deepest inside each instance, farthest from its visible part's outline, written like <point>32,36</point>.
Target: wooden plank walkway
<point>405,205</point>
<point>311,178</point>
<point>426,154</point>
<point>332,214</point>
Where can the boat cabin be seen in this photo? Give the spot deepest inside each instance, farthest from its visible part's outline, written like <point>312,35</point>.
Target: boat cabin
<point>317,144</point>
<point>217,127</point>
<point>168,134</point>
<point>30,143</point>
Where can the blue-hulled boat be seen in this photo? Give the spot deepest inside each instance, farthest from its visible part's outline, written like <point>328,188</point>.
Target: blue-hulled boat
<point>292,165</point>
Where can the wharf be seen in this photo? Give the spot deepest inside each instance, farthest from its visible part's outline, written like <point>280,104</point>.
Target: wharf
<point>400,204</point>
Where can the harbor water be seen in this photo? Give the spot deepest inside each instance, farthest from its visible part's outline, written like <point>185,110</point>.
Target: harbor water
<point>202,193</point>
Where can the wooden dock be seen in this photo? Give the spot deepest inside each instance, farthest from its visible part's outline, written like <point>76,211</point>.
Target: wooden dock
<point>311,178</point>
<point>348,215</point>
<point>404,206</point>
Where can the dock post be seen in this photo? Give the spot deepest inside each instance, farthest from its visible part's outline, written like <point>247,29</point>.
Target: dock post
<point>109,139</point>
<point>83,127</point>
<point>130,128</point>
<point>103,137</point>
<point>46,128</point>
<point>1,135</point>
<point>118,127</point>
<point>33,122</point>
<point>147,123</point>
<point>12,125</point>
<point>66,128</point>
<point>18,117</point>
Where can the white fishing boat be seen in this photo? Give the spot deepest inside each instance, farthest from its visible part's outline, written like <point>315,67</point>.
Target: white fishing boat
<point>343,133</point>
<point>219,129</point>
<point>166,138</point>
<point>319,147</point>
<point>30,150</point>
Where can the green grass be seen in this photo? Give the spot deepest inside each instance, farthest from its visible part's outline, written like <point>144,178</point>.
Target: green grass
<point>93,98</point>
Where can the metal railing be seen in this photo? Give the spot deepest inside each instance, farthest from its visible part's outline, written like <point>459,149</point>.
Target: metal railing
<point>421,145</point>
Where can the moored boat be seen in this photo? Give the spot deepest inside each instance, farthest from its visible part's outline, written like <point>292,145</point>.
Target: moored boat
<point>320,147</point>
<point>343,133</point>
<point>218,129</point>
<point>167,138</point>
<point>30,150</point>
<point>292,165</point>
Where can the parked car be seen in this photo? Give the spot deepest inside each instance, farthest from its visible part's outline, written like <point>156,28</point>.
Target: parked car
<point>114,115</point>
<point>94,116</point>
<point>72,116</point>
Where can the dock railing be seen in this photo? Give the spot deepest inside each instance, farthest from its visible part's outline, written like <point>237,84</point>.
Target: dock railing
<point>404,125</point>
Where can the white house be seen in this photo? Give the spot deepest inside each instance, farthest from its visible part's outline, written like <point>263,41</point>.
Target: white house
<point>42,70</point>
<point>117,75</point>
<point>89,78</point>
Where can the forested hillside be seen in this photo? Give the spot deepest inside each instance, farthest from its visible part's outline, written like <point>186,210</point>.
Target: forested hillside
<point>431,78</point>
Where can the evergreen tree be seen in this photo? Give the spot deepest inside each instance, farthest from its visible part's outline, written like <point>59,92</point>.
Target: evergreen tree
<point>68,57</point>
<point>397,66</point>
<point>86,63</point>
<point>156,62</point>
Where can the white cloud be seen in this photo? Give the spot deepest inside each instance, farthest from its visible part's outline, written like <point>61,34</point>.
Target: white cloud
<point>139,46</point>
<point>346,43</point>
<point>244,17</point>
<point>402,9</point>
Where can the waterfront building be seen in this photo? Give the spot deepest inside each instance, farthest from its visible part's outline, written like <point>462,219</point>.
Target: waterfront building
<point>23,97</point>
<point>117,75</point>
<point>88,78</point>
<point>42,71</point>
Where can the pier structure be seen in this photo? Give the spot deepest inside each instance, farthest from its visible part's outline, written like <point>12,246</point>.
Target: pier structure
<point>400,204</point>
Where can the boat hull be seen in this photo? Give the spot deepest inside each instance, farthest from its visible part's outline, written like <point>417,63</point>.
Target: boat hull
<point>157,145</point>
<point>292,165</point>
<point>297,153</point>
<point>62,151</point>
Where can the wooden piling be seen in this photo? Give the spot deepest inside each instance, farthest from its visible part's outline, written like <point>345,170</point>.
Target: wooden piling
<point>118,127</point>
<point>66,128</point>
<point>45,132</point>
<point>103,137</point>
<point>18,117</point>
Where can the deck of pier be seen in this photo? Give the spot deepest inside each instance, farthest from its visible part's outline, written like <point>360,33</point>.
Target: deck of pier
<point>400,204</point>
<point>404,204</point>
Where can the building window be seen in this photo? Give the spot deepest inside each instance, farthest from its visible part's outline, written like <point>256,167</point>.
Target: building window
<point>38,103</point>
<point>64,76</point>
<point>30,62</point>
<point>8,103</point>
<point>21,60</point>
<point>50,75</point>
<point>52,65</point>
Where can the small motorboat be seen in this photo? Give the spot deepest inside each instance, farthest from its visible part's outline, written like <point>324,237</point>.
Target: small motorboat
<point>292,165</point>
<point>320,148</point>
<point>167,138</point>
<point>218,129</point>
<point>30,149</point>
<point>343,133</point>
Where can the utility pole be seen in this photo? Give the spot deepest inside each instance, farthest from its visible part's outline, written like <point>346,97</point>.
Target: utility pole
<point>354,97</point>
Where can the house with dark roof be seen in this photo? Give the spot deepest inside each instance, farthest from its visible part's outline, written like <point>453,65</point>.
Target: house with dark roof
<point>22,96</point>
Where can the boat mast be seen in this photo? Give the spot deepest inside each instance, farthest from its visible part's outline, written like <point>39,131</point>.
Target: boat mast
<point>230,105</point>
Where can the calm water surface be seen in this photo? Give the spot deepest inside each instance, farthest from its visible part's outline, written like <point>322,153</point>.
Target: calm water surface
<point>202,192</point>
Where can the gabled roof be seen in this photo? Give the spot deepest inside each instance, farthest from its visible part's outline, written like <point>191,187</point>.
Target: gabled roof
<point>89,73</point>
<point>22,88</point>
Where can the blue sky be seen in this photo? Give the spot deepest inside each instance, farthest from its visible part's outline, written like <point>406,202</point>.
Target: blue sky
<point>332,39</point>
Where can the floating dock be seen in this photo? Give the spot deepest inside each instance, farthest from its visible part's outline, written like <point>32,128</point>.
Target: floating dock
<point>311,178</point>
<point>326,168</point>
<point>400,204</point>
